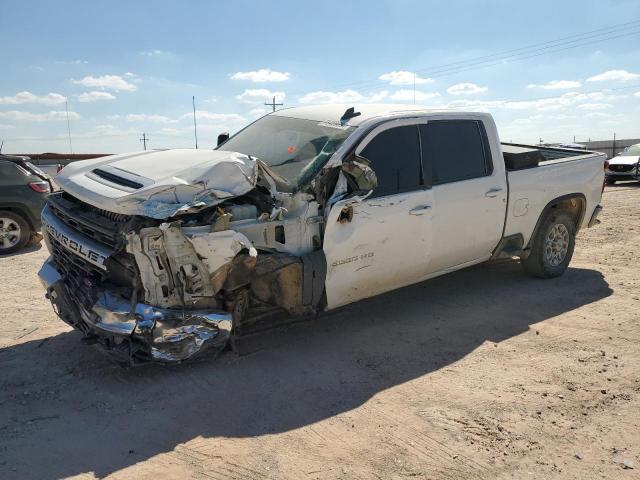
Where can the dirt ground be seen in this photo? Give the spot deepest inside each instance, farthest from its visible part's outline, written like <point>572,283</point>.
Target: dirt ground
<point>484,373</point>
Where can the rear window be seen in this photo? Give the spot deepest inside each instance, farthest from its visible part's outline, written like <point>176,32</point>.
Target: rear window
<point>456,150</point>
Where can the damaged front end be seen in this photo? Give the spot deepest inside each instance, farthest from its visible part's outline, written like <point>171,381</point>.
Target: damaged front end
<point>163,255</point>
<point>137,333</point>
<point>148,290</point>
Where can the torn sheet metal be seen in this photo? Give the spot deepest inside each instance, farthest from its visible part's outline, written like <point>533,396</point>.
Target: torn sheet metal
<point>178,269</point>
<point>219,248</point>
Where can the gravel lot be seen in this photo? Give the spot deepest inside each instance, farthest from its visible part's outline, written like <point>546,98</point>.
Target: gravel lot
<point>484,373</point>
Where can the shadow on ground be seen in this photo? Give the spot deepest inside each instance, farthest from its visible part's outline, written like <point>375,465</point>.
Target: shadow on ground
<point>23,251</point>
<point>81,413</point>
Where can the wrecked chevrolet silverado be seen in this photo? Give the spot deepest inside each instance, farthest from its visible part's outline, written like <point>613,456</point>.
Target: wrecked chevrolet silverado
<point>161,255</point>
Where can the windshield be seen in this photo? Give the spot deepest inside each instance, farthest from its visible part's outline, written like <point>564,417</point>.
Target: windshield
<point>293,148</point>
<point>631,151</point>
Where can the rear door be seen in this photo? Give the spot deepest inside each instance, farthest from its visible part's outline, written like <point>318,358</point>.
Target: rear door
<point>383,242</point>
<point>469,194</point>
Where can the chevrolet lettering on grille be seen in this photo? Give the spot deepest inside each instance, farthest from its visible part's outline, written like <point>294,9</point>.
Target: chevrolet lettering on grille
<point>85,248</point>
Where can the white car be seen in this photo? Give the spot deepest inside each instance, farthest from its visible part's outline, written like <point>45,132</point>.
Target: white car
<point>624,166</point>
<point>159,255</point>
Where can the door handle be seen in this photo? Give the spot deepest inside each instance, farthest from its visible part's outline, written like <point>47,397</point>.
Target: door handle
<point>493,192</point>
<point>420,210</point>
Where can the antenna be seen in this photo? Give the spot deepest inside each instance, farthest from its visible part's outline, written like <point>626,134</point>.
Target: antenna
<point>195,127</point>
<point>66,106</point>
<point>144,139</point>
<point>273,104</point>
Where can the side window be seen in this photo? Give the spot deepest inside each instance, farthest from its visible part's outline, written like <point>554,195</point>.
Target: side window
<point>395,157</point>
<point>456,150</point>
<point>11,174</point>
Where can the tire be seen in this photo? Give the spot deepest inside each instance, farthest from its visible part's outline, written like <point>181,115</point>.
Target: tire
<point>610,182</point>
<point>15,232</point>
<point>552,247</point>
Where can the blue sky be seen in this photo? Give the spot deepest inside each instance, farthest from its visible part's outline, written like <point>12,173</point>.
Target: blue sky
<point>130,67</point>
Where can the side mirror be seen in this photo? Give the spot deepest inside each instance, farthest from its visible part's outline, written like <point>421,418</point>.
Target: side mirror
<point>223,137</point>
<point>363,176</point>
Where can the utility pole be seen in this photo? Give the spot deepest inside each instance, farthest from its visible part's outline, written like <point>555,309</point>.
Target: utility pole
<point>144,140</point>
<point>613,150</point>
<point>195,127</point>
<point>66,106</point>
<point>273,104</point>
<point>414,88</point>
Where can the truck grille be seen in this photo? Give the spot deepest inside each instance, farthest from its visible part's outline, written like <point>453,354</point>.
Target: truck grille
<point>79,274</point>
<point>621,168</point>
<point>95,223</point>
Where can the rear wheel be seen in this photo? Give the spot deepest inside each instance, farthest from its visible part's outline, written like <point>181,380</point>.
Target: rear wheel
<point>14,232</point>
<point>552,247</point>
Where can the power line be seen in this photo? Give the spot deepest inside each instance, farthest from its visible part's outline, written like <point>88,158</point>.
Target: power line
<point>530,51</point>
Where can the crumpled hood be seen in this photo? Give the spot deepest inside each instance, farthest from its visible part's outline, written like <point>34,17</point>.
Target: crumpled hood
<point>624,160</point>
<point>160,183</point>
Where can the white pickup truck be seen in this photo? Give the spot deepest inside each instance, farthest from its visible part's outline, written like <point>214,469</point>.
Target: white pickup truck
<point>160,255</point>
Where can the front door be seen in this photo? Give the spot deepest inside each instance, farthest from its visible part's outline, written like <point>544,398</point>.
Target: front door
<point>383,242</point>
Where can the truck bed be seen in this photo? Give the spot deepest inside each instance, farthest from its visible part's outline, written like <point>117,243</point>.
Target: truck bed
<point>520,156</point>
<point>559,172</point>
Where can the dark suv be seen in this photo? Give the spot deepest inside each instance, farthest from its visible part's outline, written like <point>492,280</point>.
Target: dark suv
<point>23,192</point>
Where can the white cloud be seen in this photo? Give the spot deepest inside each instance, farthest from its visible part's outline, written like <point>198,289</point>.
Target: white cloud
<point>259,95</point>
<point>4,126</point>
<point>170,131</point>
<point>346,96</point>
<point>466,89</point>
<point>556,85</point>
<point>594,106</point>
<point>216,117</point>
<point>598,115</point>
<point>28,97</point>
<point>637,94</point>
<point>156,53</point>
<point>262,75</point>
<point>257,112</point>
<point>53,115</point>
<point>143,117</point>
<point>113,117</point>
<point>71,62</point>
<point>614,76</point>
<point>408,96</point>
<point>108,82</point>
<point>88,97</point>
<point>569,99</point>
<point>402,77</point>
<point>320,96</point>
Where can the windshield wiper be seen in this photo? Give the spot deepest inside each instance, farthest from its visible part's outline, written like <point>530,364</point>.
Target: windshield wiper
<point>291,160</point>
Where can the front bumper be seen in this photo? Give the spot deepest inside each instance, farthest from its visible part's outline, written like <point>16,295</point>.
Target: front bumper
<point>630,175</point>
<point>137,333</point>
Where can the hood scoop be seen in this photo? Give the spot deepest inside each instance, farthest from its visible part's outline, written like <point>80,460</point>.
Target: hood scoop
<point>118,178</point>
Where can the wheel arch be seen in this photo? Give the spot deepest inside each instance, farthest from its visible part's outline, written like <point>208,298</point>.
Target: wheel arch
<point>18,209</point>
<point>575,204</point>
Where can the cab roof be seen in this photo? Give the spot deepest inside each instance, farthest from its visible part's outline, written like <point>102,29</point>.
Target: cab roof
<point>334,112</point>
